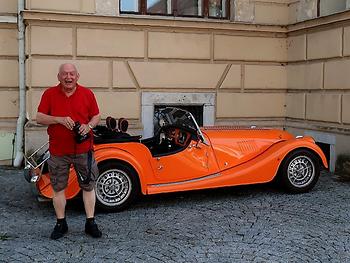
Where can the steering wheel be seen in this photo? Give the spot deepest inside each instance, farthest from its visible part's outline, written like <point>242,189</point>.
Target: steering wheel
<point>180,137</point>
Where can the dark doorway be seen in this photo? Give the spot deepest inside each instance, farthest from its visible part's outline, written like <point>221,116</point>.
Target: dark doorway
<point>196,110</point>
<point>326,149</point>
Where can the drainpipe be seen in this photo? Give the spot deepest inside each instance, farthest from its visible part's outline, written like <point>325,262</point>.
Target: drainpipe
<point>22,87</point>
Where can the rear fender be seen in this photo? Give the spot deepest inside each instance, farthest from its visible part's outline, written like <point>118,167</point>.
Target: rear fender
<point>110,154</point>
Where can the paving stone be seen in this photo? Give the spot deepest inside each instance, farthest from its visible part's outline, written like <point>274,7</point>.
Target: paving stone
<point>238,224</point>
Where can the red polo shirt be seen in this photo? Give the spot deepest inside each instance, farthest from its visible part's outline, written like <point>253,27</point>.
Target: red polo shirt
<point>80,106</point>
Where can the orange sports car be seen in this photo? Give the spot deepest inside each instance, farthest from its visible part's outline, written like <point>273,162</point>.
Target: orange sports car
<point>182,156</point>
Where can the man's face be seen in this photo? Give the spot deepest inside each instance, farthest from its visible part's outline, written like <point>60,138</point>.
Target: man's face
<point>68,77</point>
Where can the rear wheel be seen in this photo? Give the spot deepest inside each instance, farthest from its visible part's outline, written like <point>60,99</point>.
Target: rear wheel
<point>300,171</point>
<point>117,186</point>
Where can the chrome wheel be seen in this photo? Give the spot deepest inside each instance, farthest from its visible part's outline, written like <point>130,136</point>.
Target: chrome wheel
<point>113,187</point>
<point>301,171</point>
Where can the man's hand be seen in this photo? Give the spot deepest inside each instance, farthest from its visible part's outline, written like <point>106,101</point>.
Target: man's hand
<point>66,121</point>
<point>45,119</point>
<point>84,129</point>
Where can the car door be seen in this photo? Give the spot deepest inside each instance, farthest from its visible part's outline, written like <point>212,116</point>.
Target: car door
<point>195,161</point>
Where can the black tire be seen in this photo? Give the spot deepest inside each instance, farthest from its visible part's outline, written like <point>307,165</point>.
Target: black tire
<point>117,186</point>
<point>299,171</point>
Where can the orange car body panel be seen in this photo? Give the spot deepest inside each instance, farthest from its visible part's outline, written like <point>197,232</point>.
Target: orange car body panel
<point>233,147</point>
<point>45,188</point>
<point>196,161</point>
<point>232,157</point>
<point>261,169</point>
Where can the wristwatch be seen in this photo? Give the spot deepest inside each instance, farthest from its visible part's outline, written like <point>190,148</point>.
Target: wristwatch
<point>90,126</point>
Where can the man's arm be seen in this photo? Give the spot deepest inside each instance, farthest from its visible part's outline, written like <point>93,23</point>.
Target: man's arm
<point>45,119</point>
<point>85,128</point>
<point>94,121</point>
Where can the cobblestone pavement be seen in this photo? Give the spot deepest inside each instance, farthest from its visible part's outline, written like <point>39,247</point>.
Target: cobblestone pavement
<point>237,224</point>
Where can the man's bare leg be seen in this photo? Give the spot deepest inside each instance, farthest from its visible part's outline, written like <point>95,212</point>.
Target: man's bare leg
<point>59,203</point>
<point>89,199</point>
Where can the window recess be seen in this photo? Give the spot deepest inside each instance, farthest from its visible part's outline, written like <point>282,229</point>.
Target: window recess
<point>217,9</point>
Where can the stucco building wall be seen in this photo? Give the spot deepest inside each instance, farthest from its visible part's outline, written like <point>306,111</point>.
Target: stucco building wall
<point>268,65</point>
<point>318,79</point>
<point>9,102</point>
<point>122,58</point>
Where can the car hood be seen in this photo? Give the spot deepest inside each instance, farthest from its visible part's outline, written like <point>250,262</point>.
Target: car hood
<point>235,145</point>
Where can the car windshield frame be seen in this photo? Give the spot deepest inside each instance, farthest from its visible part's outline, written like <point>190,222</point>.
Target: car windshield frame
<point>178,117</point>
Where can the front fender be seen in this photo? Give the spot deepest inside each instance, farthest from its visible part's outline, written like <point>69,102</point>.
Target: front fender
<point>286,147</point>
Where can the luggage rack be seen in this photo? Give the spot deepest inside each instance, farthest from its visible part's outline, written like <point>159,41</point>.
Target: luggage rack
<point>34,163</point>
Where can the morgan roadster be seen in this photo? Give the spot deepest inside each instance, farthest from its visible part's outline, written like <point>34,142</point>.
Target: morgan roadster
<point>181,156</point>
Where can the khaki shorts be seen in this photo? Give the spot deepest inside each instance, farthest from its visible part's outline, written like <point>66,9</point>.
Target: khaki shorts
<point>59,170</point>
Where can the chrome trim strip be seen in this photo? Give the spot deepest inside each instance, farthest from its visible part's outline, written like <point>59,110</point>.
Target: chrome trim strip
<point>188,181</point>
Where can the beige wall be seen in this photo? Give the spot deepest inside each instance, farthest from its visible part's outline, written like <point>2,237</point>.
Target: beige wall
<point>76,6</point>
<point>276,12</point>
<point>9,101</point>
<point>322,70</point>
<point>8,7</point>
<point>318,81</point>
<point>8,73</point>
<point>121,61</point>
<point>257,70</point>
<point>138,59</point>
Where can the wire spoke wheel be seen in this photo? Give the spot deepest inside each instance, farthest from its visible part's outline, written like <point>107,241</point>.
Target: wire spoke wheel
<point>301,171</point>
<point>113,187</point>
<point>116,186</point>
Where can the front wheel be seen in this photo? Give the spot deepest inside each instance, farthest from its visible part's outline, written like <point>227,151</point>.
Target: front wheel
<point>300,171</point>
<point>117,186</point>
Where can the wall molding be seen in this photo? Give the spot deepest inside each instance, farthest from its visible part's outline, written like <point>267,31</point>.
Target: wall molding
<point>334,20</point>
<point>8,19</point>
<point>198,24</point>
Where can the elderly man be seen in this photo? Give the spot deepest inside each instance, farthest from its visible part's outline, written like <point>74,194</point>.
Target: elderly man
<point>70,111</point>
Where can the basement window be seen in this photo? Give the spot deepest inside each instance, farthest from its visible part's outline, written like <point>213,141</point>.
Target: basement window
<point>218,9</point>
